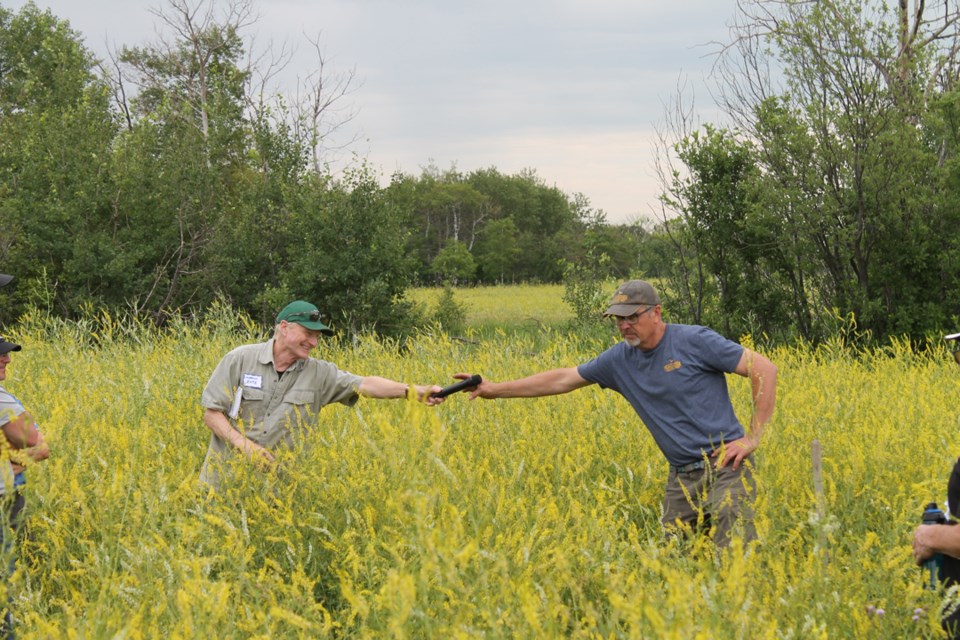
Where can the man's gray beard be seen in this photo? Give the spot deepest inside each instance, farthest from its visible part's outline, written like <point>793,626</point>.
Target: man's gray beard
<point>633,342</point>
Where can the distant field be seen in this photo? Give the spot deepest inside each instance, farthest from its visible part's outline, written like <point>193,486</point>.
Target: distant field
<point>505,305</point>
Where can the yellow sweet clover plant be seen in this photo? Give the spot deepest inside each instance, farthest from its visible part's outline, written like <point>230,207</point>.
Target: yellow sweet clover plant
<point>503,519</point>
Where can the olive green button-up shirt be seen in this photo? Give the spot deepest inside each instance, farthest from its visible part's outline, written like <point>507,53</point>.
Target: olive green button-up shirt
<point>273,409</point>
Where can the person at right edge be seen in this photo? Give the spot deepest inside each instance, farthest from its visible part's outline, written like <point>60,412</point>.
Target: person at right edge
<point>932,539</point>
<point>674,376</point>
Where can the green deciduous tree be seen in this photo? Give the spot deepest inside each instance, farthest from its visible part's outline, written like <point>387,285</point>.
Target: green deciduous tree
<point>497,251</point>
<point>446,209</point>
<point>184,154</point>
<point>57,213</point>
<point>454,263</point>
<point>544,216</point>
<point>838,201</point>
<point>347,254</point>
<point>729,241</point>
<point>515,227</point>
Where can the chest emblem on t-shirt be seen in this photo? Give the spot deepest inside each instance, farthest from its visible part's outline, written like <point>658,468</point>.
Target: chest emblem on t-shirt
<point>672,365</point>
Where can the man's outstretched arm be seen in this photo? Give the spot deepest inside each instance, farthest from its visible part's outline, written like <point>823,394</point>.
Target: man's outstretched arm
<point>545,383</point>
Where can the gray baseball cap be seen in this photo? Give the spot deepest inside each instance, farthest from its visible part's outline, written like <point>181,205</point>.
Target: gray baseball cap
<point>630,296</point>
<point>7,347</point>
<point>5,279</point>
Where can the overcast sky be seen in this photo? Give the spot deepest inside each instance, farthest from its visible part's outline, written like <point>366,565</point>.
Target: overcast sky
<point>570,88</point>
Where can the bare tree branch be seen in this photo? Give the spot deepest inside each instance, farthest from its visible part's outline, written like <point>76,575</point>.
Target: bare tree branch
<point>318,105</point>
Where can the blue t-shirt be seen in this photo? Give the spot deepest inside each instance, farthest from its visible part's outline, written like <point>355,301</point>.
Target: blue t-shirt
<point>678,388</point>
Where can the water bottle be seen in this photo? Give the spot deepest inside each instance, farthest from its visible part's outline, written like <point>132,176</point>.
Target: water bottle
<point>932,514</point>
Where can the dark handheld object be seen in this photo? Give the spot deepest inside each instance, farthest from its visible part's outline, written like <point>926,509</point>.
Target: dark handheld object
<point>469,383</point>
<point>932,514</point>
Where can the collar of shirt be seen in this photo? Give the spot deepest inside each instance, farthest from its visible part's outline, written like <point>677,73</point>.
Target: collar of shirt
<point>265,357</point>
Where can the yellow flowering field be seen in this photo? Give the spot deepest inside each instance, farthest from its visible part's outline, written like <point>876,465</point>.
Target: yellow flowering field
<point>487,519</point>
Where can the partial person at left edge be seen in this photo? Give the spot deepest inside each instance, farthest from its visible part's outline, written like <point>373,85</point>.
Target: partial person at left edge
<point>262,397</point>
<point>23,441</point>
<point>23,444</point>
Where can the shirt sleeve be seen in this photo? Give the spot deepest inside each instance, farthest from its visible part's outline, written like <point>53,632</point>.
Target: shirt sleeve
<point>341,386</point>
<point>598,369</point>
<point>10,407</point>
<point>720,353</point>
<point>218,393</point>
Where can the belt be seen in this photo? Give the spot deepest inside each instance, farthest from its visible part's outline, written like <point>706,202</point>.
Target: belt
<point>687,468</point>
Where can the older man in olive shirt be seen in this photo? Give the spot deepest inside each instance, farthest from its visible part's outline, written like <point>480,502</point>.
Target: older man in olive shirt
<point>262,396</point>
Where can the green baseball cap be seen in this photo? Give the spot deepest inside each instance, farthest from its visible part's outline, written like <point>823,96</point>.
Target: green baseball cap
<point>304,314</point>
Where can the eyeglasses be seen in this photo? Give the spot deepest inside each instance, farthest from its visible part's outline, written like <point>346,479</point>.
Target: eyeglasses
<point>632,318</point>
<point>312,316</point>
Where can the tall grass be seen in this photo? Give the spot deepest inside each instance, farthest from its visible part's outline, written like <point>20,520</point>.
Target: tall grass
<point>503,519</point>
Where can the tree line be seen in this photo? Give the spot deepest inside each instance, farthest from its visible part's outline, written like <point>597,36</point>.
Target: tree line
<point>172,175</point>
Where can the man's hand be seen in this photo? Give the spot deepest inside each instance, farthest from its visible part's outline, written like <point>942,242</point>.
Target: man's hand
<point>477,391</point>
<point>259,456</point>
<point>425,394</point>
<point>921,552</point>
<point>736,451</point>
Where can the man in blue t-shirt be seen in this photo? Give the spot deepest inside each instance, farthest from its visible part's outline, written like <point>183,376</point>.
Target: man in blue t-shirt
<point>674,376</point>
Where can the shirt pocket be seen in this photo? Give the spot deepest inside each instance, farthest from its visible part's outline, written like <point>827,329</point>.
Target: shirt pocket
<point>300,397</point>
<point>251,411</point>
<point>252,394</point>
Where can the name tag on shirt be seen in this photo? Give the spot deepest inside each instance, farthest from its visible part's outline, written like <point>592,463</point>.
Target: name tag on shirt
<point>252,381</point>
